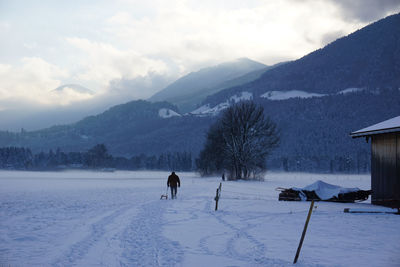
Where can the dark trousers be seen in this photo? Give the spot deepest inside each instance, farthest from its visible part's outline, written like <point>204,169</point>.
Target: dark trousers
<point>174,189</point>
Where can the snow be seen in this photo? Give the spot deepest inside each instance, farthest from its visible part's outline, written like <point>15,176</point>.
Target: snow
<point>243,96</point>
<point>211,111</point>
<point>202,109</point>
<point>206,110</point>
<point>84,136</point>
<point>167,113</point>
<point>325,191</point>
<point>118,219</point>
<point>283,95</point>
<point>350,90</point>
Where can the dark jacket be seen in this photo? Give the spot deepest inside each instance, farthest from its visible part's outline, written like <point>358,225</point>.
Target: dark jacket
<point>173,180</point>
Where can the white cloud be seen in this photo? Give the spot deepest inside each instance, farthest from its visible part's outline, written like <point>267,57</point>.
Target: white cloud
<point>366,10</point>
<point>68,96</point>
<point>141,87</point>
<point>32,79</point>
<point>193,34</point>
<point>102,62</point>
<point>4,26</point>
<point>132,48</point>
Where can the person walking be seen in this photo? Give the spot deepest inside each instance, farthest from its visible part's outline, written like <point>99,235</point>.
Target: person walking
<point>174,183</point>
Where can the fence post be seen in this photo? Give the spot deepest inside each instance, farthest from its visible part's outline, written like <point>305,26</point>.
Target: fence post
<point>304,232</point>
<point>217,195</point>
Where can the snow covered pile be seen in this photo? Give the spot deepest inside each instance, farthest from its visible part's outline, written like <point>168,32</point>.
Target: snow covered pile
<point>324,190</point>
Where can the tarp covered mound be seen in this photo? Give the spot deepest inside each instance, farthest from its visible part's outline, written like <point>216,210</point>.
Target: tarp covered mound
<point>324,191</point>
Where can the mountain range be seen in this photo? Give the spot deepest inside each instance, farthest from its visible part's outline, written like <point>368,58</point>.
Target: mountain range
<point>367,59</point>
<point>189,91</point>
<point>316,102</point>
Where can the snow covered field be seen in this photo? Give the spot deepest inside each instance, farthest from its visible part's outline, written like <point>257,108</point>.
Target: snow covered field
<point>118,219</point>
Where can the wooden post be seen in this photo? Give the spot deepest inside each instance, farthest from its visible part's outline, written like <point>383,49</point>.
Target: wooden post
<point>304,232</point>
<point>216,200</point>
<point>217,195</point>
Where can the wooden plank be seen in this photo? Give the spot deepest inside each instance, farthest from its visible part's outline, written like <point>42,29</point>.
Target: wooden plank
<point>389,165</point>
<point>375,170</point>
<point>377,210</point>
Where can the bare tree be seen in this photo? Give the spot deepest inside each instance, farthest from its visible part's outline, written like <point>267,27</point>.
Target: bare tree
<point>211,160</point>
<point>239,142</point>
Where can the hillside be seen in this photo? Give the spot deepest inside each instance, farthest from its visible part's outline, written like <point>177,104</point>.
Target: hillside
<point>190,90</point>
<point>319,99</point>
<point>129,129</point>
<point>314,131</point>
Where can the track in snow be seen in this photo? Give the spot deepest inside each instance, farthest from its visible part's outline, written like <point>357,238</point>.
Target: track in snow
<point>143,242</point>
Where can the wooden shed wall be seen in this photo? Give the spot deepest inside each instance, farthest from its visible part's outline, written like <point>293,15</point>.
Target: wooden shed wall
<point>385,169</point>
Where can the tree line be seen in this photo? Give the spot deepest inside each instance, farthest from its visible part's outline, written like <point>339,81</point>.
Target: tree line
<point>20,158</point>
<point>355,163</point>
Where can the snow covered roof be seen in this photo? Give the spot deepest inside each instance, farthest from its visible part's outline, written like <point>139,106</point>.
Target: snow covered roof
<point>388,126</point>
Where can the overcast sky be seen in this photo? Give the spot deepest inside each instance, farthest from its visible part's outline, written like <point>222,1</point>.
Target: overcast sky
<point>133,48</point>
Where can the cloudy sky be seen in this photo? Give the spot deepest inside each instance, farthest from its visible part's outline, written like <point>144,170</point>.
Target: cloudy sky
<point>132,48</point>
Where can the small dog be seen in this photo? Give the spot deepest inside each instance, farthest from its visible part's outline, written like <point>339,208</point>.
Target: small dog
<point>164,196</point>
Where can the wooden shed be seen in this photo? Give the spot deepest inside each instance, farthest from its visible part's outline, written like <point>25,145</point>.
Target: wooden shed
<point>385,161</point>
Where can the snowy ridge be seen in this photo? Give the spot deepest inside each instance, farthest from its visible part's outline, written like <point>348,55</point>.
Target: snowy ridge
<point>206,110</point>
<point>284,95</point>
<point>350,90</point>
<point>166,113</point>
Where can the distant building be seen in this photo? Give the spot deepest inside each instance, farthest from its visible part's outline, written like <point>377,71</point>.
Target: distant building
<point>385,161</point>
